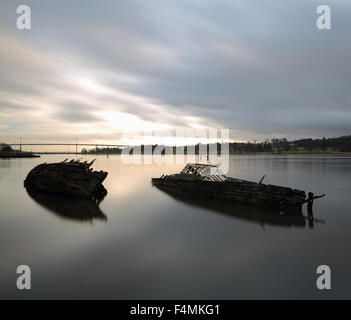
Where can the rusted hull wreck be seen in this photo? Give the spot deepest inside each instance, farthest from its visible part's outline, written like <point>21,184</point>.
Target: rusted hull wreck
<point>219,187</point>
<point>72,178</point>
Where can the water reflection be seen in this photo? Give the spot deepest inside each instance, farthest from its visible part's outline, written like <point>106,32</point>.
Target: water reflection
<point>248,213</point>
<point>155,245</point>
<point>83,210</point>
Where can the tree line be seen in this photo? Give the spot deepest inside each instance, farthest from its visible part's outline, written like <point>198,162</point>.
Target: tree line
<point>340,144</point>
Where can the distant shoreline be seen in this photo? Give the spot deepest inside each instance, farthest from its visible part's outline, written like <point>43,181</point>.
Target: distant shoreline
<point>293,153</point>
<point>18,155</point>
<point>231,153</point>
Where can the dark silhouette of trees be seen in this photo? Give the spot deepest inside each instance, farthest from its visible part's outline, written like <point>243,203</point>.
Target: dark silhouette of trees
<point>5,147</point>
<point>341,144</point>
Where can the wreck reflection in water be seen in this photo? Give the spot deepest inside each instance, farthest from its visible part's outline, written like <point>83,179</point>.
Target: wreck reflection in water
<point>260,216</point>
<point>83,210</point>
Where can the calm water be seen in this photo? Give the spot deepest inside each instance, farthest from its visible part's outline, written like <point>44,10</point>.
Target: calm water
<point>151,245</point>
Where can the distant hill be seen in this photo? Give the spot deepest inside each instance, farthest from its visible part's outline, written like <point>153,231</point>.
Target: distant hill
<point>5,148</point>
<point>341,144</point>
<point>6,152</point>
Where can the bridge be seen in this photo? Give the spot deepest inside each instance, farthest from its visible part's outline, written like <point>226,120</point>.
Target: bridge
<point>68,144</point>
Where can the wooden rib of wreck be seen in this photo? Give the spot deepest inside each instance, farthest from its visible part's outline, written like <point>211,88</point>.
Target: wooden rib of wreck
<point>208,181</point>
<point>74,178</point>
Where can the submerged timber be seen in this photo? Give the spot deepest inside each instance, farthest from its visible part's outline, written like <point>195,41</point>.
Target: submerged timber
<point>207,181</point>
<point>74,178</point>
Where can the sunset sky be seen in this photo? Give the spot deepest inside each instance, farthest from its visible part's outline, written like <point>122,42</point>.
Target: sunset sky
<point>96,69</point>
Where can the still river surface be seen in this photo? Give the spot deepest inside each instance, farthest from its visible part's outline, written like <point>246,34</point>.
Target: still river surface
<point>145,244</point>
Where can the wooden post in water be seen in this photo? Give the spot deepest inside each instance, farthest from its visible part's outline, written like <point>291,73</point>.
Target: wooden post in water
<point>310,218</point>
<point>310,200</point>
<point>261,180</point>
<point>310,210</point>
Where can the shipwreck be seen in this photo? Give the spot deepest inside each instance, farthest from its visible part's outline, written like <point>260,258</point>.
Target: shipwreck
<point>209,182</point>
<point>73,178</point>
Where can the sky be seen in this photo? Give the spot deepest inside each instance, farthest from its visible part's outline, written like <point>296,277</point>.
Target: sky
<point>94,70</point>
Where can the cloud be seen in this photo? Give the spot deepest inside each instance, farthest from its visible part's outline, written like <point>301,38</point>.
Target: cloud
<point>76,113</point>
<point>259,68</point>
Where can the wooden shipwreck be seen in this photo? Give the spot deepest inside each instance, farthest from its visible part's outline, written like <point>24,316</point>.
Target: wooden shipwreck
<point>73,178</point>
<point>207,181</point>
